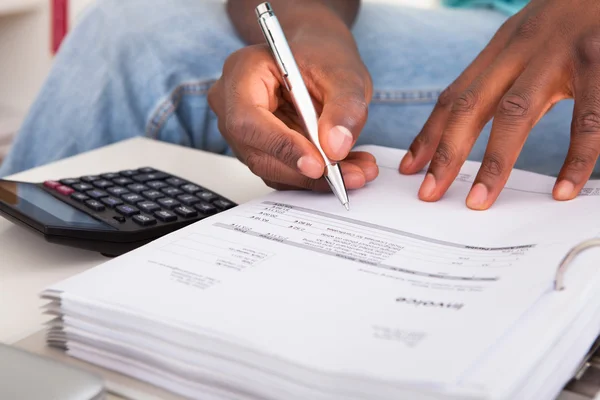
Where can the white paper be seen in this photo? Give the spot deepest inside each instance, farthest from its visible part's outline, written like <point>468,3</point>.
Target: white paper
<point>395,290</point>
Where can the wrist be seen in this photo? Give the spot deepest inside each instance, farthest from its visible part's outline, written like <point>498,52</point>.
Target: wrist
<point>314,21</point>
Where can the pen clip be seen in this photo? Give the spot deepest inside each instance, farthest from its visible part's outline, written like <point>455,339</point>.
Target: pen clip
<point>265,16</point>
<point>278,58</point>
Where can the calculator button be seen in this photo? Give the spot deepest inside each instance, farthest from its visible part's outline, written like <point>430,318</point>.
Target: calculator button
<point>110,176</point>
<point>165,216</point>
<point>69,182</point>
<point>137,187</point>
<point>52,184</point>
<point>153,194</point>
<point>207,196</point>
<point>132,198</point>
<point>112,202</point>
<point>171,191</point>
<point>205,208</point>
<point>96,194</point>
<point>186,212</point>
<point>223,204</point>
<point>128,173</point>
<point>122,181</point>
<point>146,170</point>
<point>90,178</point>
<point>119,219</point>
<point>175,182</point>
<point>127,210</point>
<point>144,220</point>
<point>65,190</point>
<point>117,190</point>
<point>156,176</point>
<point>169,203</point>
<point>148,206</point>
<point>95,205</point>
<point>190,188</point>
<point>82,187</point>
<point>103,184</point>
<point>188,199</point>
<point>156,185</point>
<point>79,197</point>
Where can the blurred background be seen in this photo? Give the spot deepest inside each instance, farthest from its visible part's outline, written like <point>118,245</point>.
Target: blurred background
<point>30,33</point>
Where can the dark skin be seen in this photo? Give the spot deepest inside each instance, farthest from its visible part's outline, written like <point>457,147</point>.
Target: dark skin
<point>548,52</point>
<point>256,115</point>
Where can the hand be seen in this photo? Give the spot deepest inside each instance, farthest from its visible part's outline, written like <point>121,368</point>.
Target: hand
<point>258,120</point>
<point>548,52</point>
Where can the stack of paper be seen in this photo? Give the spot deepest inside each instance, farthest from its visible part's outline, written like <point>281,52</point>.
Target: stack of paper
<point>292,297</point>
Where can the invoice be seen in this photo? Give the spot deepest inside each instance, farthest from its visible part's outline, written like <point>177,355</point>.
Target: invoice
<point>378,291</point>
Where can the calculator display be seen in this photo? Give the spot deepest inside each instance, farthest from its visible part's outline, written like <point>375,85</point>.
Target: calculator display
<point>34,202</point>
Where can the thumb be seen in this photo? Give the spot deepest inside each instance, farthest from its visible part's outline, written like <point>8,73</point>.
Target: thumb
<point>345,111</point>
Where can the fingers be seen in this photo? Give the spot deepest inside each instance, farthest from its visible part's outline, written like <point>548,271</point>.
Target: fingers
<point>423,147</point>
<point>263,134</point>
<point>245,100</point>
<point>585,138</point>
<point>469,114</point>
<point>532,95</point>
<point>357,172</point>
<point>346,96</point>
<point>257,128</point>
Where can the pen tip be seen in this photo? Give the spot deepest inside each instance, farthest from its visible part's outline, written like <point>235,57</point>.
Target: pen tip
<point>347,207</point>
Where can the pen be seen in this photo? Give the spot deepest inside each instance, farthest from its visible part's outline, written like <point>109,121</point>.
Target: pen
<point>299,93</point>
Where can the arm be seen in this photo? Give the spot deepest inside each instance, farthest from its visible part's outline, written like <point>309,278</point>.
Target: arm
<point>296,16</point>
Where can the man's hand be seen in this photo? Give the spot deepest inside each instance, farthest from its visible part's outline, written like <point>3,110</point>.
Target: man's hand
<point>258,120</point>
<point>548,52</point>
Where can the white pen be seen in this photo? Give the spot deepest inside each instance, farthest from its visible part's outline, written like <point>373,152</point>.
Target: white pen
<point>299,93</point>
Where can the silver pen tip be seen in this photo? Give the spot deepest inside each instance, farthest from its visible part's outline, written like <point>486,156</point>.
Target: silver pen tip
<point>347,207</point>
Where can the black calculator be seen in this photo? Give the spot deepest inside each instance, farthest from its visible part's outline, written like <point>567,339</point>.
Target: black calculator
<point>111,213</point>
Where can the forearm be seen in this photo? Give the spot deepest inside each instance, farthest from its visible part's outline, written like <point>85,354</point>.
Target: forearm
<point>297,17</point>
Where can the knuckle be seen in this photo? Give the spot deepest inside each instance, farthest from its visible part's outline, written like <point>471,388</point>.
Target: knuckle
<point>255,162</point>
<point>493,165</point>
<point>529,27</point>
<point>422,140</point>
<point>240,128</point>
<point>514,105</point>
<point>466,103</point>
<point>588,48</point>
<point>509,26</point>
<point>580,161</point>
<point>444,156</point>
<point>446,98</point>
<point>355,105</point>
<point>587,123</point>
<point>282,147</point>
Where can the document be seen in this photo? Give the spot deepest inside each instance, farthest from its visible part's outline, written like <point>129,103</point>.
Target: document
<point>395,290</point>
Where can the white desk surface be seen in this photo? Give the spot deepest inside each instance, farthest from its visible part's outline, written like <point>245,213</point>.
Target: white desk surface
<point>28,264</point>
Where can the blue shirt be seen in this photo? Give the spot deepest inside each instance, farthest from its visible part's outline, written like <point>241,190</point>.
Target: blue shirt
<point>506,6</point>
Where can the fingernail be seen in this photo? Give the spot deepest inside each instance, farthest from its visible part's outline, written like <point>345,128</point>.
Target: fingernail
<point>478,197</point>
<point>340,141</point>
<point>310,167</point>
<point>564,190</point>
<point>407,160</point>
<point>427,187</point>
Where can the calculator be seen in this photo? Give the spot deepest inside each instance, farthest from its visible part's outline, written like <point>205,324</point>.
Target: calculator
<point>111,213</point>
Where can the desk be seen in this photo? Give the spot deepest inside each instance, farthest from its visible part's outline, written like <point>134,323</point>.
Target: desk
<point>29,264</point>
